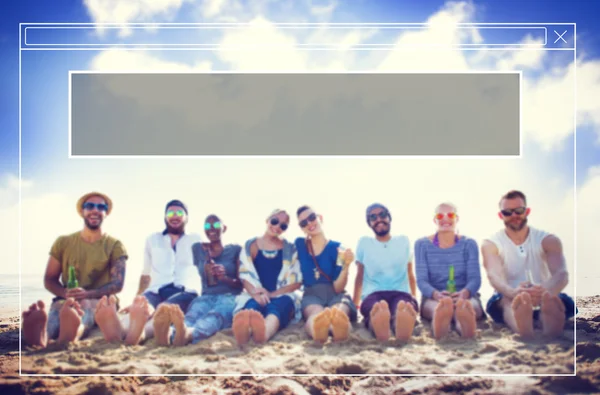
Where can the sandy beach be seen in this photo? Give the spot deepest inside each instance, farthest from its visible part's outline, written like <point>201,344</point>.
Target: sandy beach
<point>495,351</point>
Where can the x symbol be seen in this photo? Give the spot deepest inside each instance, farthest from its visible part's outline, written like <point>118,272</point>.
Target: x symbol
<point>560,36</point>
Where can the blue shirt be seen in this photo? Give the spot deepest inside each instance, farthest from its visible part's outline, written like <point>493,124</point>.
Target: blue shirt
<point>432,264</point>
<point>326,260</point>
<point>385,264</point>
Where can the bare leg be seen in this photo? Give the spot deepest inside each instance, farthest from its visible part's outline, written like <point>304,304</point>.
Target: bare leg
<point>442,317</point>
<point>522,311</point>
<point>139,313</point>
<point>241,327</point>
<point>71,328</point>
<point>428,308</point>
<point>464,316</point>
<point>162,324</point>
<point>552,315</point>
<point>379,320</point>
<point>406,317</point>
<point>34,325</point>
<point>340,322</point>
<point>107,319</point>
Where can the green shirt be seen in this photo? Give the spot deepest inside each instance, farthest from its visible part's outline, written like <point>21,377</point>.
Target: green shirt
<point>92,261</point>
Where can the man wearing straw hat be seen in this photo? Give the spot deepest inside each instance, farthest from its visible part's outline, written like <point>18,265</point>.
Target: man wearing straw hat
<point>99,266</point>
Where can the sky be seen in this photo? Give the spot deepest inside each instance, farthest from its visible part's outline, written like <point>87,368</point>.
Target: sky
<point>244,190</point>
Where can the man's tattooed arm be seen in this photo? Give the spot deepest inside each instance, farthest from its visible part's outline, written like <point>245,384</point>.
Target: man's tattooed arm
<point>117,274</point>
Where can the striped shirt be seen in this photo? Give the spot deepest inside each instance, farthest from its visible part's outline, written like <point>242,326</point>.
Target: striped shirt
<point>432,266</point>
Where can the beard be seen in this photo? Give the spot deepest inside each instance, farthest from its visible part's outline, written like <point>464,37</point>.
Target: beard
<point>175,231</point>
<point>91,226</point>
<point>382,232</point>
<point>514,226</point>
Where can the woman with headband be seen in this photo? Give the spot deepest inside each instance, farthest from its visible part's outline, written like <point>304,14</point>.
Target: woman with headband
<point>448,276</point>
<point>271,276</point>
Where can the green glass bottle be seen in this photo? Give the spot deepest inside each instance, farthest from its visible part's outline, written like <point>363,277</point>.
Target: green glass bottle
<point>72,283</point>
<point>451,284</point>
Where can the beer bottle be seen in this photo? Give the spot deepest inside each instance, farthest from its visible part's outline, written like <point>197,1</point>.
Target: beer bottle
<point>72,283</point>
<point>451,284</point>
<point>211,280</point>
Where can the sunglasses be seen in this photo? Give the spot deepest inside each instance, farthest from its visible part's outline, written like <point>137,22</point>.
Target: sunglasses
<point>510,211</point>
<point>282,225</point>
<point>310,218</point>
<point>178,213</point>
<point>440,216</point>
<point>90,206</point>
<point>208,225</point>
<point>381,215</point>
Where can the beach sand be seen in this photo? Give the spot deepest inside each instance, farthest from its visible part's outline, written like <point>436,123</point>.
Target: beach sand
<point>495,351</point>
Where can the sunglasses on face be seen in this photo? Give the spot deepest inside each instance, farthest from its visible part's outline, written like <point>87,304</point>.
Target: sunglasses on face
<point>208,225</point>
<point>178,213</point>
<point>282,225</point>
<point>99,206</point>
<point>381,215</point>
<point>310,218</point>
<point>510,211</point>
<point>440,216</point>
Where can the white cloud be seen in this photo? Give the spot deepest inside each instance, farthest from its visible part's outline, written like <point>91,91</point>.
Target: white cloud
<point>212,8</point>
<point>122,60</point>
<point>281,53</point>
<point>125,11</point>
<point>430,48</point>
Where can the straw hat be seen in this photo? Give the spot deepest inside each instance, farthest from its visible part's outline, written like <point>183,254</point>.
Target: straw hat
<point>89,195</point>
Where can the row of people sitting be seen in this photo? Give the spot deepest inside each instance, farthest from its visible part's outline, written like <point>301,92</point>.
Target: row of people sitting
<point>262,286</point>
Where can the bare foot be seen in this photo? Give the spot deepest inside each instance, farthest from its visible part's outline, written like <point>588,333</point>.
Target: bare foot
<point>523,311</point>
<point>465,317</point>
<point>380,320</point>
<point>34,325</point>
<point>320,326</point>
<point>241,327</point>
<point>442,317</point>
<point>107,319</point>
<point>340,325</point>
<point>257,325</point>
<point>139,314</point>
<point>70,320</point>
<point>552,315</point>
<point>406,317</point>
<point>162,324</point>
<point>178,318</point>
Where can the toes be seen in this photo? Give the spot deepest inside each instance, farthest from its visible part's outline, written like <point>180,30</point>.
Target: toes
<point>41,305</point>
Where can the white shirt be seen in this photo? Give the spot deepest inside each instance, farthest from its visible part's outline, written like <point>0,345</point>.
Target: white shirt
<point>518,259</point>
<point>166,265</point>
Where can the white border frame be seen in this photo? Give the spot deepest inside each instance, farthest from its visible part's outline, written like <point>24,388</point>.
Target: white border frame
<point>151,25</point>
<point>398,27</point>
<point>70,155</point>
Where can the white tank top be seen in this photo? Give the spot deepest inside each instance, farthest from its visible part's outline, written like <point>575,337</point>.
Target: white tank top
<point>517,259</point>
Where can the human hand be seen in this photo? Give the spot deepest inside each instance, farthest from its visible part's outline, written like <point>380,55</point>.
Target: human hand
<point>218,271</point>
<point>76,293</point>
<point>536,292</point>
<point>261,295</point>
<point>347,256</point>
<point>463,294</point>
<point>439,295</point>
